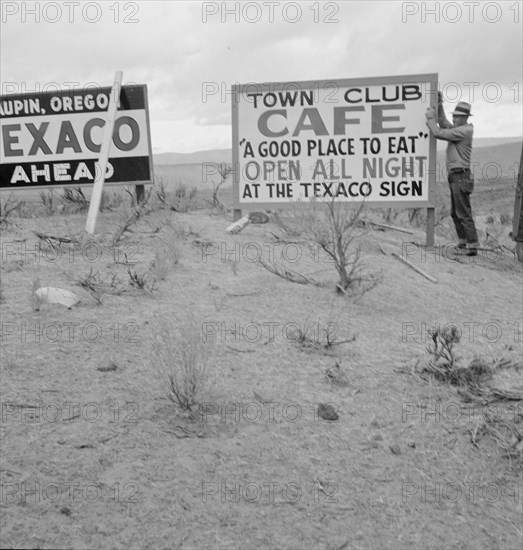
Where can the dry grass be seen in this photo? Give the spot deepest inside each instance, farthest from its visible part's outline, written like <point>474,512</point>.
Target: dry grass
<point>167,254</point>
<point>181,360</point>
<point>184,198</point>
<point>181,199</point>
<point>36,300</point>
<point>503,430</point>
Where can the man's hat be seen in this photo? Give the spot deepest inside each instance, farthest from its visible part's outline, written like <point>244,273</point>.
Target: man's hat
<point>462,108</point>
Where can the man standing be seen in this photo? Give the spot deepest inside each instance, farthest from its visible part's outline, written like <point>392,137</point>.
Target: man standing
<point>459,149</point>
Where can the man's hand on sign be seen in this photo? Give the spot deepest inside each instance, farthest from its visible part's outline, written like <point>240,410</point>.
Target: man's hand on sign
<point>430,113</point>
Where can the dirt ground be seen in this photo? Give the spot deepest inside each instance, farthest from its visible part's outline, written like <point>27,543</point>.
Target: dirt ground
<point>95,455</point>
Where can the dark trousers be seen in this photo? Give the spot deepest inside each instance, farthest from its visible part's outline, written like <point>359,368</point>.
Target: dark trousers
<point>461,186</point>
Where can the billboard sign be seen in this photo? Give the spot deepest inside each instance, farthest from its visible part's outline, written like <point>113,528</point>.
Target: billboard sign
<point>351,140</point>
<point>54,138</point>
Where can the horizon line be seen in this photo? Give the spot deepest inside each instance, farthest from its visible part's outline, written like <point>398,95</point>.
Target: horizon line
<point>227,148</point>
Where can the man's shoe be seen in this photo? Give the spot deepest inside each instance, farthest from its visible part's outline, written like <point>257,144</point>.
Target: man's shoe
<point>461,245</point>
<point>472,252</point>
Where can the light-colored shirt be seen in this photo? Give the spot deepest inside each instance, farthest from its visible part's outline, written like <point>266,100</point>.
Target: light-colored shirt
<point>459,148</point>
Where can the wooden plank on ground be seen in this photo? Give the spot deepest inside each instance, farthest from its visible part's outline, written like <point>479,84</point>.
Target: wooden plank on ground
<point>411,265</point>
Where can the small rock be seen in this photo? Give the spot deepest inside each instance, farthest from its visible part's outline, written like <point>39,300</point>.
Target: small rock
<point>327,411</point>
<point>53,295</point>
<point>262,399</point>
<point>258,217</point>
<point>107,368</point>
<point>395,449</point>
<point>377,437</point>
<point>375,424</point>
<point>65,510</point>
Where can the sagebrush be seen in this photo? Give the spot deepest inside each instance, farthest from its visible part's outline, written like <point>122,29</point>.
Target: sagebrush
<point>181,358</point>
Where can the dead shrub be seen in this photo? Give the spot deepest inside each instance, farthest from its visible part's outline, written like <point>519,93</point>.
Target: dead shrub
<point>98,285</point>
<point>336,228</point>
<point>110,200</point>
<point>184,198</point>
<point>75,197</point>
<point>223,170</point>
<point>49,202</point>
<point>129,217</point>
<point>442,357</point>
<point>505,218</point>
<point>181,359</point>
<point>8,208</point>
<point>142,281</point>
<point>166,256</point>
<point>161,193</point>
<point>474,376</point>
<point>444,363</point>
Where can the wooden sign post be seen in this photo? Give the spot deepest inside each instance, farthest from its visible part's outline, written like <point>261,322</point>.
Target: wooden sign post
<point>517,220</point>
<point>98,186</point>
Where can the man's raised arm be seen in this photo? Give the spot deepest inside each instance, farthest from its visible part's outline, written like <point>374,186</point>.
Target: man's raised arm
<point>442,119</point>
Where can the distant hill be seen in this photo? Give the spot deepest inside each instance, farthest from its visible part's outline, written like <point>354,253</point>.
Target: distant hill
<point>198,157</point>
<point>504,156</point>
<point>502,151</point>
<point>485,142</point>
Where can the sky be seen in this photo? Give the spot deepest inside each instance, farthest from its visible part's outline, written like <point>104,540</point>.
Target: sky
<point>190,54</point>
